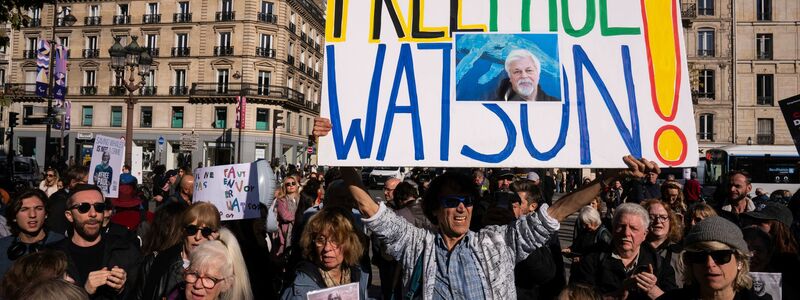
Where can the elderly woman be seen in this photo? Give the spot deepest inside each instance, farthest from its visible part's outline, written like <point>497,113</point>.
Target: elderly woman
<point>217,271</point>
<point>26,215</point>
<point>666,232</point>
<point>161,272</point>
<point>716,263</point>
<point>331,249</point>
<point>593,238</point>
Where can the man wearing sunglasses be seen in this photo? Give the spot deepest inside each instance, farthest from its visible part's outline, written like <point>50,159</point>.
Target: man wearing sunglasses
<point>454,262</point>
<point>101,264</point>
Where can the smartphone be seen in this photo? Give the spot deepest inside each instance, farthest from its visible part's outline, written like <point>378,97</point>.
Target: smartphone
<point>640,269</point>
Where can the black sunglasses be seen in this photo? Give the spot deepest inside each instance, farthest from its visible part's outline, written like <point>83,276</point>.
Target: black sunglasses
<point>720,257</point>
<point>453,201</point>
<point>85,207</point>
<point>192,230</point>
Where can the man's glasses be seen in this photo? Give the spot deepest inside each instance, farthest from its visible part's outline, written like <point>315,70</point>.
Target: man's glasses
<point>659,218</point>
<point>208,282</point>
<point>453,201</point>
<point>720,257</point>
<point>290,183</point>
<point>193,229</point>
<point>85,207</point>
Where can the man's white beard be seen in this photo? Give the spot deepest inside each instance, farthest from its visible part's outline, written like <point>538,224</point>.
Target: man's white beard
<point>525,87</point>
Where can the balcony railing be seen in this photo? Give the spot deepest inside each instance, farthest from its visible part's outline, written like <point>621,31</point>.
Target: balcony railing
<point>292,27</point>
<point>705,52</point>
<point>35,22</point>
<point>147,90</point>
<point>88,90</point>
<point>246,89</point>
<point>265,52</point>
<point>223,50</point>
<point>688,10</point>
<point>316,46</point>
<point>765,139</point>
<point>60,22</point>
<point>91,53</point>
<point>764,55</point>
<point>117,91</point>
<point>178,90</point>
<point>182,18</point>
<point>92,21</point>
<point>290,60</point>
<point>122,19</point>
<point>151,18</point>
<point>268,18</point>
<point>765,100</point>
<point>709,95</point>
<point>153,51</point>
<point>180,51</point>
<point>28,54</point>
<point>302,67</point>
<point>303,36</point>
<point>225,16</point>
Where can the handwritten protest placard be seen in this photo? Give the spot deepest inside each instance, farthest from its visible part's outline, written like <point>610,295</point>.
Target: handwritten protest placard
<point>106,164</point>
<point>236,190</point>
<point>532,83</point>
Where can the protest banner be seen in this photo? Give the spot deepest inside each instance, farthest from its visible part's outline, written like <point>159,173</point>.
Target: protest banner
<point>236,190</point>
<point>106,165</point>
<point>791,113</point>
<point>345,291</point>
<point>767,285</point>
<point>533,83</point>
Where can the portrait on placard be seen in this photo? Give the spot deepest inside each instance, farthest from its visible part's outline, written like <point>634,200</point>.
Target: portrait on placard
<point>507,67</point>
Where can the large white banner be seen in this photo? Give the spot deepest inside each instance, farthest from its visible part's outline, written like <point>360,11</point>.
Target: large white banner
<point>107,157</point>
<point>530,83</point>
<point>235,190</point>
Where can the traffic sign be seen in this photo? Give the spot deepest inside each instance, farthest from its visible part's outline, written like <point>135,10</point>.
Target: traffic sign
<point>161,140</point>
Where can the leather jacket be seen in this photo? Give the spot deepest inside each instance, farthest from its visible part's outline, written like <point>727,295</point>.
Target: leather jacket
<point>160,273</point>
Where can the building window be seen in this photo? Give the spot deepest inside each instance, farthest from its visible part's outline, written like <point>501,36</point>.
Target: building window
<point>2,78</point>
<point>705,42</point>
<point>223,47</point>
<point>764,89</point>
<point>147,117</point>
<point>27,111</point>
<point>177,117</point>
<point>705,7</point>
<point>179,86</point>
<point>222,81</point>
<point>183,7</point>
<point>766,133</point>
<point>288,121</point>
<point>64,41</point>
<point>764,45</point>
<point>116,116</point>
<point>764,10</point>
<point>151,43</point>
<point>263,82</point>
<point>706,84</point>
<point>706,129</point>
<point>220,117</point>
<point>262,119</point>
<point>88,114</point>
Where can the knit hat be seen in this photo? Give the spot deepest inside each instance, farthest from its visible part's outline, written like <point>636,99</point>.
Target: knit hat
<point>718,229</point>
<point>532,176</point>
<point>772,211</point>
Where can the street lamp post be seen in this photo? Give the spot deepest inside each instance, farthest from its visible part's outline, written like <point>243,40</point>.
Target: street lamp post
<point>240,77</point>
<point>69,20</point>
<point>130,56</point>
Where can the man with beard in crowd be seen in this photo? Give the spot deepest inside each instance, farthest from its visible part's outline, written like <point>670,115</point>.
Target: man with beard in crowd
<point>738,201</point>
<point>101,264</point>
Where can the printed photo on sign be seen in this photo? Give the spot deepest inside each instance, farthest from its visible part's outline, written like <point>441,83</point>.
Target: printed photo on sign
<point>106,164</point>
<point>507,67</point>
<point>342,292</point>
<point>768,286</point>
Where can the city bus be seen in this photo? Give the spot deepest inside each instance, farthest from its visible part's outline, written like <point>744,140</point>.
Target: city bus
<point>771,167</point>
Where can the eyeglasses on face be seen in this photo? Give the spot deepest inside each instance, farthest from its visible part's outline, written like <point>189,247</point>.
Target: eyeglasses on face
<point>51,175</point>
<point>206,281</point>
<point>85,207</point>
<point>193,229</point>
<point>720,257</point>
<point>452,201</point>
<point>321,241</point>
<point>659,218</point>
<point>290,183</point>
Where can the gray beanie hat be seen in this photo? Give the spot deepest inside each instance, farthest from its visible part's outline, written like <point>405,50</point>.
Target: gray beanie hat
<point>716,228</point>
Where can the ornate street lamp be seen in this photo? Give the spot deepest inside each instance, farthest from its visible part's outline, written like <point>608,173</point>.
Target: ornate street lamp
<point>131,56</point>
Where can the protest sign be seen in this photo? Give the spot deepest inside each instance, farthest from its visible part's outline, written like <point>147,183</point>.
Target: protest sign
<point>535,83</point>
<point>345,291</point>
<point>791,113</point>
<point>236,190</point>
<point>767,285</point>
<point>106,165</point>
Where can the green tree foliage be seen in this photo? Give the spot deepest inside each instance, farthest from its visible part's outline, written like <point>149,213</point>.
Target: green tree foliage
<point>15,13</point>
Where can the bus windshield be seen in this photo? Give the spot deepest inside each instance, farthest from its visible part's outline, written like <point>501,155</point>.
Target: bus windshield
<point>716,166</point>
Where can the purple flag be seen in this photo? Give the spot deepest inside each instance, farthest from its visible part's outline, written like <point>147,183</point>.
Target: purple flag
<point>42,68</point>
<point>60,73</point>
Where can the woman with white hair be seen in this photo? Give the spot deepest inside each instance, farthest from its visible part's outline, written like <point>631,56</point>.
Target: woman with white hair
<point>593,238</point>
<point>217,271</point>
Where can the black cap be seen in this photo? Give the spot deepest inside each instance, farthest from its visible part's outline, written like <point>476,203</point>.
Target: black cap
<point>772,211</point>
<point>505,173</point>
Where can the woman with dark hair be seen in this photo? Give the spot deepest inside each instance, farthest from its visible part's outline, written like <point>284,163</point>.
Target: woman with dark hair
<point>331,249</point>
<point>25,215</point>
<point>310,195</point>
<point>162,271</point>
<point>32,269</point>
<point>166,230</point>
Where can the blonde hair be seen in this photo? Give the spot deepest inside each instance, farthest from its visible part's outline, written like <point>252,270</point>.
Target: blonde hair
<point>339,228</point>
<point>743,279</point>
<point>225,254</point>
<point>204,213</point>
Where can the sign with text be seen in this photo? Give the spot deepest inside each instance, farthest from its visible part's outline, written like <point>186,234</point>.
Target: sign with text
<point>791,113</point>
<point>235,190</point>
<point>106,165</point>
<point>534,83</point>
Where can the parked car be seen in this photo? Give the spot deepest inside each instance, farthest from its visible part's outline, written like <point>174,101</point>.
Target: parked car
<point>378,176</point>
<point>26,173</point>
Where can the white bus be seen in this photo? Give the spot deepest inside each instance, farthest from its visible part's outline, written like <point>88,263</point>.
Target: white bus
<point>770,167</point>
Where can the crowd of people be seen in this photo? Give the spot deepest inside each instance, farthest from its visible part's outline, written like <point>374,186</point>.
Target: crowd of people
<point>450,234</point>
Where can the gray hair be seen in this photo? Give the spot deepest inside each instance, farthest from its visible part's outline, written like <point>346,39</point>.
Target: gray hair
<point>225,254</point>
<point>589,215</point>
<point>632,209</point>
<point>519,54</point>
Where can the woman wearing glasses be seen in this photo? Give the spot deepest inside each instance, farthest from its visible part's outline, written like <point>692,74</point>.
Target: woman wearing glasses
<point>216,271</point>
<point>162,272</point>
<point>665,234</point>
<point>716,263</point>
<point>331,249</point>
<point>288,198</point>
<point>51,182</point>
<point>25,214</point>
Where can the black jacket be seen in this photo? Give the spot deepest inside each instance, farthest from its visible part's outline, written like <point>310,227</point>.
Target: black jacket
<point>117,252</point>
<point>691,293</point>
<point>606,273</point>
<point>56,206</point>
<point>160,273</point>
